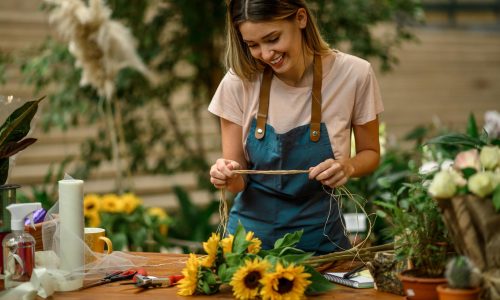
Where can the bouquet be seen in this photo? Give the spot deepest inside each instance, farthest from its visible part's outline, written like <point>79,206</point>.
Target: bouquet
<point>239,262</point>
<point>468,194</point>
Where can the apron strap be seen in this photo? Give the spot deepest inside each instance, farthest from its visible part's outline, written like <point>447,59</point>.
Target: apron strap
<point>316,99</point>
<point>265,90</point>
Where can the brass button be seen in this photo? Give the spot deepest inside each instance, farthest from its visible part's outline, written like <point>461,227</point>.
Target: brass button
<point>259,130</point>
<point>315,133</point>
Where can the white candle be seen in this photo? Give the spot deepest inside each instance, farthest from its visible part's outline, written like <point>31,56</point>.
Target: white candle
<point>71,224</point>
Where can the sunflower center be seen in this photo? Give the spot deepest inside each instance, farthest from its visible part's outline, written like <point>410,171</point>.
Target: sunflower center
<point>284,285</point>
<point>90,206</point>
<point>252,280</point>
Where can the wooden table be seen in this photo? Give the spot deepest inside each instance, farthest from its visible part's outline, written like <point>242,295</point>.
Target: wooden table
<point>161,265</point>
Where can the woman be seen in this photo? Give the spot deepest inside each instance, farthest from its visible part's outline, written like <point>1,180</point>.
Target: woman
<point>291,102</point>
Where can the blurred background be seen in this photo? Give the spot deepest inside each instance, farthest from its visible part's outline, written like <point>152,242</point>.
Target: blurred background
<point>437,62</point>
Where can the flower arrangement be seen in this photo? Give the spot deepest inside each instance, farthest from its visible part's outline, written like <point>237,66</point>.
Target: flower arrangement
<point>127,222</point>
<point>239,262</point>
<point>473,171</point>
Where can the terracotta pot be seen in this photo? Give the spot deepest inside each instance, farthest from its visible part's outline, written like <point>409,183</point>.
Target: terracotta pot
<point>446,293</point>
<point>419,288</point>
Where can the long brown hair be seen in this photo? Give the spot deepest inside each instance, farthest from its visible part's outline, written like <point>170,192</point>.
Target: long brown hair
<point>238,57</point>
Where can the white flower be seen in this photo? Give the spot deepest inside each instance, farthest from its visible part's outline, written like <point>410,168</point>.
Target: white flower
<point>481,184</point>
<point>443,185</point>
<point>428,167</point>
<point>447,164</point>
<point>492,123</point>
<point>490,157</point>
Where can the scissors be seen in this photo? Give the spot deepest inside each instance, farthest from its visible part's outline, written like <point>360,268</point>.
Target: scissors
<point>117,276</point>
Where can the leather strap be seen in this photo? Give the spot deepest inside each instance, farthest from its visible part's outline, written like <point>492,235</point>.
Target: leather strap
<point>265,90</point>
<point>316,99</point>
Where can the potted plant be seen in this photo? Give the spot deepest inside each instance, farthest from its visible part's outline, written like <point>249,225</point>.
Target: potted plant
<point>12,140</point>
<point>420,238</point>
<point>463,280</point>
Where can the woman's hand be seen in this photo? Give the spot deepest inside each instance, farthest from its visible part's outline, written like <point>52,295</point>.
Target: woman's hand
<point>221,173</point>
<point>333,173</point>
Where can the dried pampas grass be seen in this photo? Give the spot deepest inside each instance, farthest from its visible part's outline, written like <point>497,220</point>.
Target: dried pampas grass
<point>101,46</point>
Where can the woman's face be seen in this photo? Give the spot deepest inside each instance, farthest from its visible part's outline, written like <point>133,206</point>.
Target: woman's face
<point>277,43</point>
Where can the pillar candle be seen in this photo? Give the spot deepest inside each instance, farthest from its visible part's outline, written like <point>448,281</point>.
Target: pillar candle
<point>71,225</point>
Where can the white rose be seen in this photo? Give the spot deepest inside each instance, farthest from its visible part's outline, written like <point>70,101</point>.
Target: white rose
<point>490,157</point>
<point>447,164</point>
<point>481,184</point>
<point>443,185</point>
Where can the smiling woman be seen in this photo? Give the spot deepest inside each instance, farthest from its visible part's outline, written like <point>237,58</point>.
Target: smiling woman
<point>289,102</point>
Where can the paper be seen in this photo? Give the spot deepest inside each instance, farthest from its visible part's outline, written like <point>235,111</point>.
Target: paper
<point>71,224</point>
<point>362,280</point>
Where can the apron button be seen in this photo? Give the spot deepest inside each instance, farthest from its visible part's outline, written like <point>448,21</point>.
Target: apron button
<point>259,131</point>
<point>315,133</point>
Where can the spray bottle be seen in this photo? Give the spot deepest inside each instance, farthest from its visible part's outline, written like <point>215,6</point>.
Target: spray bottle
<point>19,246</point>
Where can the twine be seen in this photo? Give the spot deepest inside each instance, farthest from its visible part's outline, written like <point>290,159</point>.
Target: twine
<point>335,194</point>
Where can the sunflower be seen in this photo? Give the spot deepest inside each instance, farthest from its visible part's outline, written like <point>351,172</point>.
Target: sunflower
<point>94,219</point>
<point>130,202</point>
<point>187,285</point>
<point>162,216</point>
<point>210,248</point>
<point>91,204</point>
<point>287,283</point>
<point>111,203</point>
<point>227,244</point>
<point>245,281</point>
<point>255,245</point>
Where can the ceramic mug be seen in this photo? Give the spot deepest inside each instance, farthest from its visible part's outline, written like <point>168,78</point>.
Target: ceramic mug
<point>95,238</point>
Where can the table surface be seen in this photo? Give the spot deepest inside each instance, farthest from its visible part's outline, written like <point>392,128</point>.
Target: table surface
<point>162,265</point>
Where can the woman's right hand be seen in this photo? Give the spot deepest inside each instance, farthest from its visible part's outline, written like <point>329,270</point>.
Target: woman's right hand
<point>221,173</point>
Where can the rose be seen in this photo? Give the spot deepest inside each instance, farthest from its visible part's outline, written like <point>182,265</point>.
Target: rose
<point>467,159</point>
<point>481,184</point>
<point>490,157</point>
<point>443,185</point>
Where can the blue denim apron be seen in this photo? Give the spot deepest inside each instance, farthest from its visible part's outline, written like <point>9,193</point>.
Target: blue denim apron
<point>273,205</point>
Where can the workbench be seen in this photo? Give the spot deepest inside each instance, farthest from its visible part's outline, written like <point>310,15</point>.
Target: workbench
<point>161,265</point>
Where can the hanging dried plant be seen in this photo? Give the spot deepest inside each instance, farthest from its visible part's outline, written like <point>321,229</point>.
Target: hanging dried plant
<point>101,46</point>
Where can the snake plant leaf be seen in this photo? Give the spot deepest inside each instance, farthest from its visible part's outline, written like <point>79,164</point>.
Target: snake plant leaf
<point>17,125</point>
<point>13,147</point>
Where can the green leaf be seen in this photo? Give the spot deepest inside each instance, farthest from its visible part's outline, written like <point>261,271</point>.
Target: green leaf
<point>234,259</point>
<point>468,172</point>
<point>457,139</point>
<point>472,127</point>
<point>119,240</point>
<point>289,240</point>
<point>319,284</point>
<point>4,170</point>
<point>12,148</point>
<point>240,244</point>
<point>496,198</point>
<point>17,125</point>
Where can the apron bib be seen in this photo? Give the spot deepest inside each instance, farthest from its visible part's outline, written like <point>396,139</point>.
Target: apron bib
<point>273,205</point>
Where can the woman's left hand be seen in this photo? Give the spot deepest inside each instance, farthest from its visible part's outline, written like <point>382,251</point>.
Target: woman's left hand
<point>331,172</point>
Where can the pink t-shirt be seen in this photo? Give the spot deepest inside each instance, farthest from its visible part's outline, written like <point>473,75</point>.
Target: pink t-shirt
<point>350,96</point>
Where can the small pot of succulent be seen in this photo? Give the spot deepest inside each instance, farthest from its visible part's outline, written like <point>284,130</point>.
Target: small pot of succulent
<point>463,280</point>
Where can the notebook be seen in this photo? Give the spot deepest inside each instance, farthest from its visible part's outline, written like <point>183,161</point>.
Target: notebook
<point>363,280</point>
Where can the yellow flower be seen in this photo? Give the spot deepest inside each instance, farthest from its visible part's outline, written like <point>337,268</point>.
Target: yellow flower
<point>130,202</point>
<point>94,220</point>
<point>287,283</point>
<point>210,248</point>
<point>255,245</point>
<point>227,244</point>
<point>161,215</point>
<point>91,204</point>
<point>187,285</point>
<point>245,281</point>
<point>111,203</point>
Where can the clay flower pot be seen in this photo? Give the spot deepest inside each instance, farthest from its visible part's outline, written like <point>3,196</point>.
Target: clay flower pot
<point>446,293</point>
<point>420,288</point>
